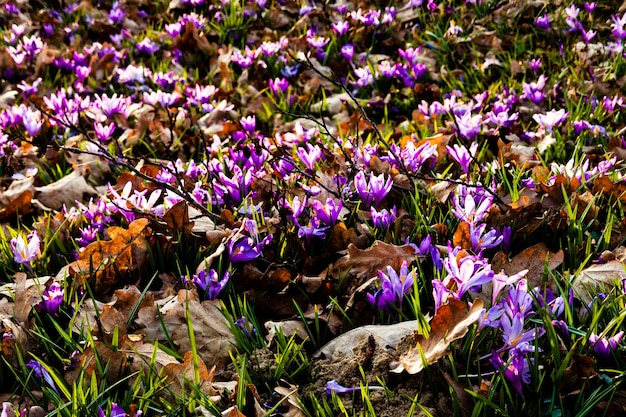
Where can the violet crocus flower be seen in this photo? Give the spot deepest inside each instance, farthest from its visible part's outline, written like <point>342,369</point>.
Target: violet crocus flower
<point>32,121</point>
<point>24,251</point>
<point>481,240</point>
<point>604,346</point>
<point>312,229</point>
<point>296,206</point>
<point>534,91</point>
<point>117,411</point>
<point>147,46</point>
<point>590,6</point>
<point>469,125</point>
<point>347,51</point>
<point>470,205</point>
<point>210,283</point>
<point>41,372</point>
<point>516,370</point>
<point>103,131</point>
<point>551,119</point>
<point>278,85</point>
<point>468,272</point>
<point>501,280</point>
<point>462,156</point>
<point>248,123</point>
<point>618,27</point>
<point>384,218</point>
<point>543,22</point>
<point>247,248</point>
<point>340,28</point>
<point>242,323</point>
<point>328,212</point>
<point>373,191</point>
<point>52,298</point>
<point>394,287</point>
<point>514,336</point>
<point>310,155</point>
<point>333,387</point>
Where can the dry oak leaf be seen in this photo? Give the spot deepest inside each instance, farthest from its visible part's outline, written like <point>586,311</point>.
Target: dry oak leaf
<point>450,323</point>
<point>211,330</point>
<point>65,191</point>
<point>117,261</point>
<point>561,182</point>
<point>365,263</point>
<point>114,361</point>
<point>180,375</point>
<point>605,186</point>
<point>594,278</point>
<point>533,259</point>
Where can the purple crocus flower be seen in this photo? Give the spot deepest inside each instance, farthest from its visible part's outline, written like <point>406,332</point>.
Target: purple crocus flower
<point>103,132</point>
<point>248,123</point>
<point>24,251</point>
<point>603,346</point>
<point>147,46</point>
<point>116,411</point>
<point>333,386</point>
<point>242,323</point>
<point>42,373</point>
<point>394,287</point>
<point>590,6</point>
<point>373,191</point>
<point>516,370</point>
<point>313,228</point>
<point>469,125</point>
<point>502,280</point>
<point>470,204</point>
<point>244,249</point>
<point>551,119</point>
<point>347,51</point>
<point>278,85</point>
<point>52,298</point>
<point>210,283</point>
<point>310,155</point>
<point>468,272</point>
<point>481,240</point>
<point>462,155</point>
<point>340,28</point>
<point>515,337</point>
<point>327,213</point>
<point>382,219</point>
<point>543,22</point>
<point>296,206</point>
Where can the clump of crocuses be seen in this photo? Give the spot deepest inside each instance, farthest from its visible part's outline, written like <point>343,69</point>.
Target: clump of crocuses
<point>394,287</point>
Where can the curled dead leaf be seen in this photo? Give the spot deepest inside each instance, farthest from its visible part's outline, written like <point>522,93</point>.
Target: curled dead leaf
<point>451,322</point>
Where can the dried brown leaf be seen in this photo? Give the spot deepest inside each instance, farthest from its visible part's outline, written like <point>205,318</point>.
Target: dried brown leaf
<point>596,278</point>
<point>533,259</point>
<point>605,186</point>
<point>365,263</point>
<point>117,261</point>
<point>212,333</point>
<point>451,322</point>
<point>65,191</point>
<point>180,375</point>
